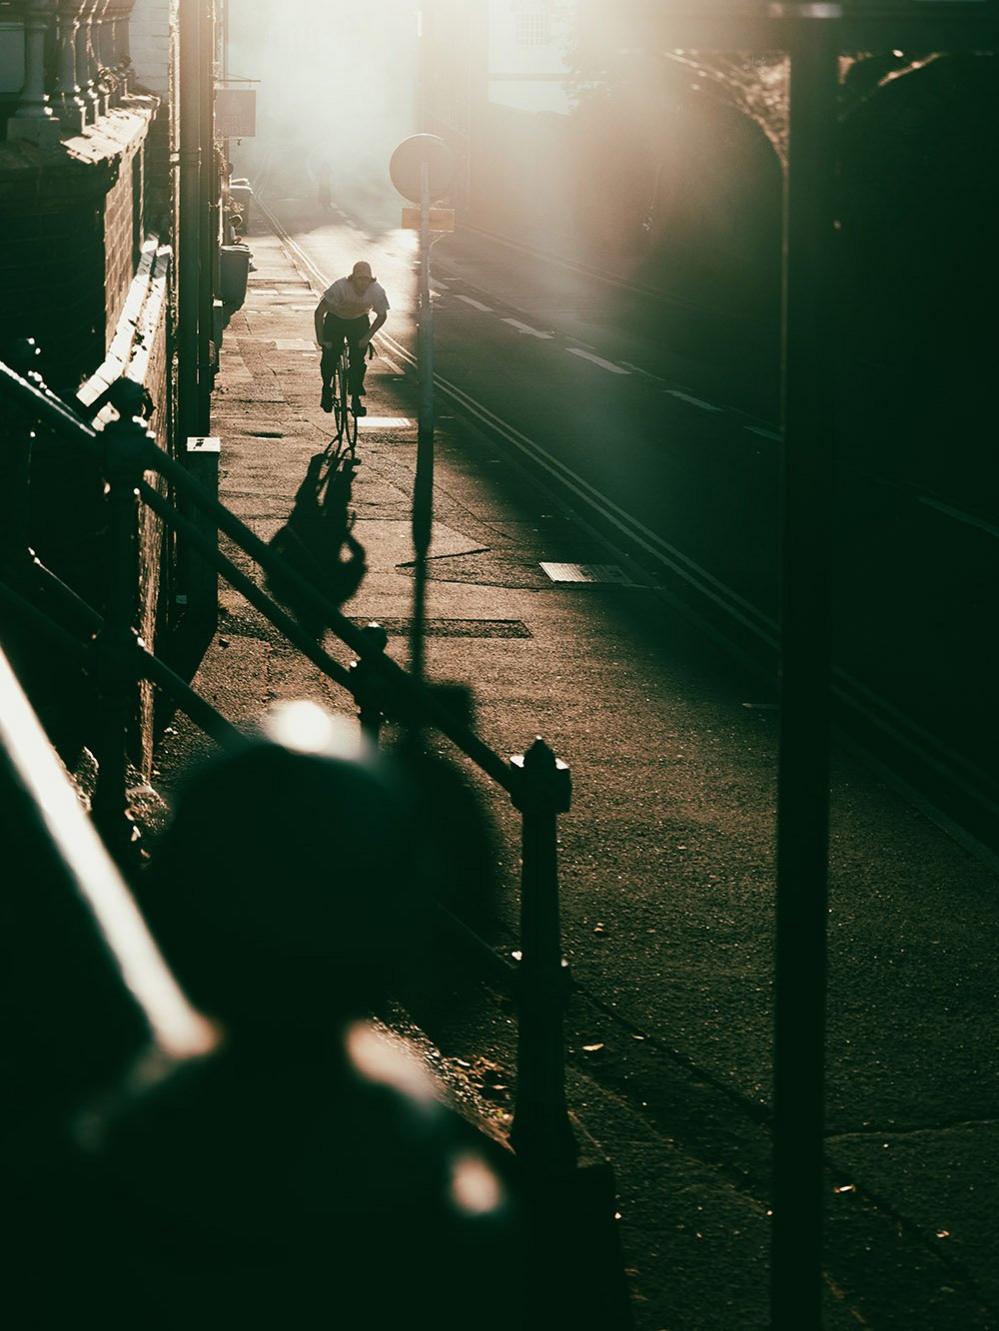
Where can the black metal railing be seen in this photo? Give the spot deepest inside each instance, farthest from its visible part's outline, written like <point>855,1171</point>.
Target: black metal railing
<point>108,647</point>
<point>35,787</point>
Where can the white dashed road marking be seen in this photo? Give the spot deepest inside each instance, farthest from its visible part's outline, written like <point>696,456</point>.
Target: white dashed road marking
<point>476,304</point>
<point>597,360</point>
<point>694,401</point>
<point>525,328</point>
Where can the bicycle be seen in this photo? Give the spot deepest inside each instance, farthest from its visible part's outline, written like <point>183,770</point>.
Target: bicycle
<point>343,411</point>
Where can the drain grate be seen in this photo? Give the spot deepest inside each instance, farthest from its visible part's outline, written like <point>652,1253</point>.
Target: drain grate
<point>588,573</point>
<point>254,625</point>
<point>458,628</point>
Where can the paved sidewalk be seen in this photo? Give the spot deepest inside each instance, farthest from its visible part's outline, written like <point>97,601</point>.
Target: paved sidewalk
<point>667,873</point>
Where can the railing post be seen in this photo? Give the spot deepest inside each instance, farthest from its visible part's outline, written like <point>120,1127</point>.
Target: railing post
<point>201,581</point>
<point>541,1134</point>
<point>368,684</point>
<point>126,442</point>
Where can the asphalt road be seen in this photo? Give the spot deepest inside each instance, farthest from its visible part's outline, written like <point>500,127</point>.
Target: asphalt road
<point>657,424</point>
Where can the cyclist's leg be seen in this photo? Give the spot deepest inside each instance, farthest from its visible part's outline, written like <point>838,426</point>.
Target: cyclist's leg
<point>358,358</point>
<point>327,368</point>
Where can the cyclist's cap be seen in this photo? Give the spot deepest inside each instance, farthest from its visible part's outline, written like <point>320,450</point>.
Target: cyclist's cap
<point>363,269</point>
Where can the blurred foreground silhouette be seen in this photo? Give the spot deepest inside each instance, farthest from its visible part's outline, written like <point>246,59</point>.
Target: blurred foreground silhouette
<point>303,1173</point>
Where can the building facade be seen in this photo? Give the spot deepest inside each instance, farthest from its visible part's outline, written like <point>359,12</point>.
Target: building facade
<point>89,138</point>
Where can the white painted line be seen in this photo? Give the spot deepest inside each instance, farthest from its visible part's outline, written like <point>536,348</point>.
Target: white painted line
<point>765,434</point>
<point>390,365</point>
<point>477,304</point>
<point>694,401</point>
<point>294,344</point>
<point>968,519</point>
<point>526,328</point>
<point>646,374</point>
<point>597,360</point>
<point>384,423</point>
<point>438,283</point>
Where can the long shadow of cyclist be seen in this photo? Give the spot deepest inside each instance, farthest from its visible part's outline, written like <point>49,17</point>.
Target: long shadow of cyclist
<point>317,540</point>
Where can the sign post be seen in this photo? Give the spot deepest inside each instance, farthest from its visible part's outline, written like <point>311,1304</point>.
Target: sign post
<point>422,168</point>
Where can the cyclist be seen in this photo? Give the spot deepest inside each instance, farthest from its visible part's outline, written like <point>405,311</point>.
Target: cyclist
<point>343,313</point>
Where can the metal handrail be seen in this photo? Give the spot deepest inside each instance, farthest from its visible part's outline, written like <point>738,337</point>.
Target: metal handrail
<point>148,665</point>
<point>538,784</point>
<point>495,966</point>
<point>175,1026</point>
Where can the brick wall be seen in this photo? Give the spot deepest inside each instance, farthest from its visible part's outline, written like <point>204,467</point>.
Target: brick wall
<point>52,278</point>
<point>71,218</point>
<point>124,221</point>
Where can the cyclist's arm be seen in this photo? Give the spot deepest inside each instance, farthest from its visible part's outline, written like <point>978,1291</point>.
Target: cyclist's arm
<point>322,309</point>
<point>379,320</point>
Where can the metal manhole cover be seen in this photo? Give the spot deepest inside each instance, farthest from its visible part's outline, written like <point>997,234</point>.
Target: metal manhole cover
<point>588,573</point>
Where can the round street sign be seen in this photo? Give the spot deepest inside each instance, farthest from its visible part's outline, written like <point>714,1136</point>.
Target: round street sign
<point>407,160</point>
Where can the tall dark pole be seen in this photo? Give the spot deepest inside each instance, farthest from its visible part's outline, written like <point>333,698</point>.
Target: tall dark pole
<point>802,832</point>
<point>208,218</point>
<point>423,488</point>
<point>189,280</point>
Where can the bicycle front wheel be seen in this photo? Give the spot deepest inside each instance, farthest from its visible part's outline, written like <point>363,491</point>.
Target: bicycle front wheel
<point>340,401</point>
<point>346,420</point>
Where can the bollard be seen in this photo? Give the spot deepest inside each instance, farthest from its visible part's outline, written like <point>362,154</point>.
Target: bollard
<point>115,661</point>
<point>541,1134</point>
<point>368,683</point>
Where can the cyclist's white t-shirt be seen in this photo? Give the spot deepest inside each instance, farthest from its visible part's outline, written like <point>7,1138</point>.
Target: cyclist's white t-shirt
<point>343,300</point>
